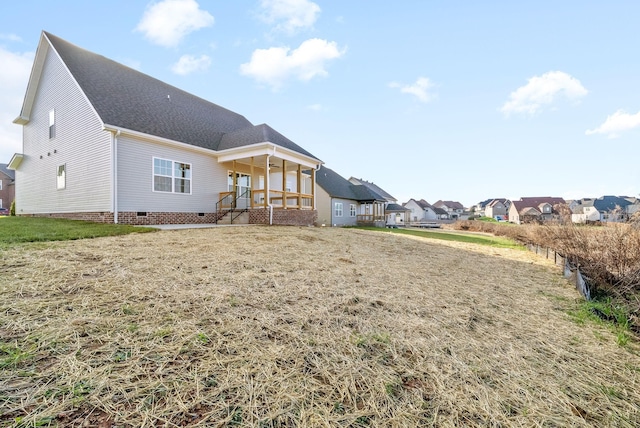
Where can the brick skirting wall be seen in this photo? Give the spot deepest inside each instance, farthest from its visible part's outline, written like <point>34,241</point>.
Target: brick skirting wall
<point>96,217</point>
<point>284,217</point>
<point>152,218</point>
<point>257,216</point>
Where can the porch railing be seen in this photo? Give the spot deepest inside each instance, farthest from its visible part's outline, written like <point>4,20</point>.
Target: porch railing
<point>281,199</point>
<point>369,218</point>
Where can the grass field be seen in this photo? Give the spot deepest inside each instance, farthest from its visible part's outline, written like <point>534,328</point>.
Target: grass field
<point>457,236</point>
<point>286,327</point>
<point>14,230</point>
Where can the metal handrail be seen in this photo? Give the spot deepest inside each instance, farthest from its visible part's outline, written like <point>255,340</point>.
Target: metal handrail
<point>233,204</point>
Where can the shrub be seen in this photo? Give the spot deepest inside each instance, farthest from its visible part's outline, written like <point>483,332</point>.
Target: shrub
<point>12,209</point>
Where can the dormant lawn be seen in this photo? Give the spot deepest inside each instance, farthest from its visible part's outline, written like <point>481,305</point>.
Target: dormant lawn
<point>309,327</point>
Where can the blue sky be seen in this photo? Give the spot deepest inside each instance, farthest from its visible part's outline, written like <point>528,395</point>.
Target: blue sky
<point>453,100</point>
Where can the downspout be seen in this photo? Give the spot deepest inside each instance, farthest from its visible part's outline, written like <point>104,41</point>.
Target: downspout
<point>266,191</point>
<point>115,176</point>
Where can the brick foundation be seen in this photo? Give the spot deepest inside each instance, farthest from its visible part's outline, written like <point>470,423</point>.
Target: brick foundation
<point>153,218</point>
<point>257,216</point>
<point>96,217</point>
<point>284,217</point>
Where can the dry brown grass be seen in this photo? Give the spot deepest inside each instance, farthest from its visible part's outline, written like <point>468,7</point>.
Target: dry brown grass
<point>309,327</point>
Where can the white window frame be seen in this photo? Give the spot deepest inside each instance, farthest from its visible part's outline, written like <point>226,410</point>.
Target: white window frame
<point>61,177</point>
<point>0,188</point>
<point>338,209</point>
<point>172,176</point>
<point>352,210</point>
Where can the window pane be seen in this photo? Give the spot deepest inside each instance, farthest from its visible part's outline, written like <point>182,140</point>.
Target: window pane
<point>182,170</point>
<point>182,185</point>
<point>162,167</point>
<point>161,184</point>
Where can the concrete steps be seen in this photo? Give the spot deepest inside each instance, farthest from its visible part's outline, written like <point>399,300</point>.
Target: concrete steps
<point>240,219</point>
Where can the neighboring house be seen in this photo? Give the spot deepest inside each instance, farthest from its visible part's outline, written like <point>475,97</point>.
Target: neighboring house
<point>7,187</point>
<point>442,214</point>
<point>395,214</point>
<point>603,209</point>
<point>342,203</point>
<point>104,142</point>
<point>454,209</point>
<point>497,209</point>
<point>420,211</point>
<point>480,207</point>
<point>536,209</point>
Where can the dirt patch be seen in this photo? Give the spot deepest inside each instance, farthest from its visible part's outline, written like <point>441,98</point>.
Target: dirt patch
<point>284,326</point>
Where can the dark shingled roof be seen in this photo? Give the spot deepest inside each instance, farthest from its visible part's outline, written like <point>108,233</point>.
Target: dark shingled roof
<point>258,134</point>
<point>609,203</point>
<point>126,98</point>
<point>395,208</point>
<point>338,187</point>
<point>10,173</point>
<point>374,188</point>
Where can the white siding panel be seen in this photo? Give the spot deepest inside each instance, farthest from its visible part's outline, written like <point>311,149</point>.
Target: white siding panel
<point>80,143</point>
<point>135,178</point>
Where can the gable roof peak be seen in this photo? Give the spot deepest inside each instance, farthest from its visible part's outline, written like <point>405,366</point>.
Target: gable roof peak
<point>127,99</point>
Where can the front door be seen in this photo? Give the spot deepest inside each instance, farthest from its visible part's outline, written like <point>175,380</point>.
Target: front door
<point>242,189</point>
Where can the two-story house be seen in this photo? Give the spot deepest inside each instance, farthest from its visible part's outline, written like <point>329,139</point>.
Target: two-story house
<point>7,187</point>
<point>104,142</point>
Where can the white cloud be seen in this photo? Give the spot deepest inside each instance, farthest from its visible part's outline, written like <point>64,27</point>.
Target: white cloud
<point>188,64</point>
<point>11,37</point>
<point>14,75</point>
<point>275,65</point>
<point>616,123</point>
<point>166,23</point>
<point>420,89</point>
<point>543,90</point>
<point>290,15</point>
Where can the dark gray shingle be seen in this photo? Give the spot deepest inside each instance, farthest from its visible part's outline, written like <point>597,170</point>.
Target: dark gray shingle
<point>126,98</point>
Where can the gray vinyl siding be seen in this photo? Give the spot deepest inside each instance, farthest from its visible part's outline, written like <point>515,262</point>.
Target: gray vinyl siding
<point>346,219</point>
<point>135,178</point>
<point>80,143</point>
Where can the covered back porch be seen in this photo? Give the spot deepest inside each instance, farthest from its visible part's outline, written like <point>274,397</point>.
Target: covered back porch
<point>273,184</point>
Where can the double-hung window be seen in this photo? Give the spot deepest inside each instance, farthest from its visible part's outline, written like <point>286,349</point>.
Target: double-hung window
<point>338,209</point>
<point>171,176</point>
<point>352,210</point>
<point>52,124</point>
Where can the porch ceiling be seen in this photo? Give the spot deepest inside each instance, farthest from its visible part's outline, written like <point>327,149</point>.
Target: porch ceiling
<point>276,154</point>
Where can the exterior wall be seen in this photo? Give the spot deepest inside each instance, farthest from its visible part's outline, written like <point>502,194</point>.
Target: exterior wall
<point>80,143</point>
<point>514,217</point>
<point>8,191</point>
<point>346,219</point>
<point>496,210</point>
<point>284,217</point>
<point>417,213</point>
<point>324,207</point>
<point>135,178</point>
